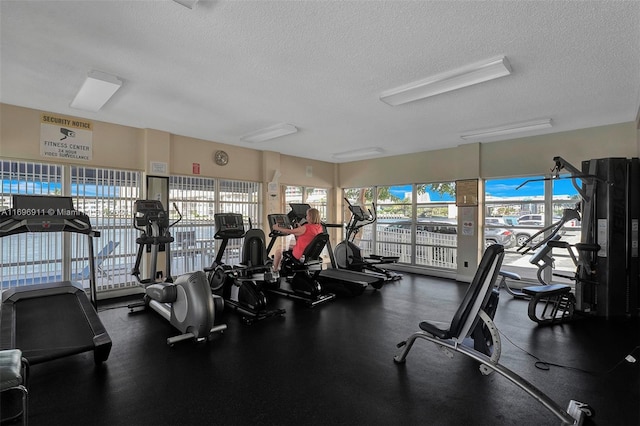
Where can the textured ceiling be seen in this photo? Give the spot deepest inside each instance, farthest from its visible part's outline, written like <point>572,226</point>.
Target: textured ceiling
<point>227,68</point>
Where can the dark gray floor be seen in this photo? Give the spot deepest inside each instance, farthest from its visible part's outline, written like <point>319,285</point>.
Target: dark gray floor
<point>334,365</point>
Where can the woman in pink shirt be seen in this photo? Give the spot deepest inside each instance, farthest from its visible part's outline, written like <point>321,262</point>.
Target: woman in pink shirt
<point>303,233</point>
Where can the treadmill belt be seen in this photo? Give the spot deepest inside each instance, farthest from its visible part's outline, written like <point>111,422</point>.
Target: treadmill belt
<point>51,327</point>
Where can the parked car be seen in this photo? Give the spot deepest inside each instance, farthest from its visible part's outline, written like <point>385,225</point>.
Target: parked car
<point>450,226</point>
<point>498,235</point>
<point>531,220</point>
<point>520,233</point>
<point>497,221</point>
<point>437,225</point>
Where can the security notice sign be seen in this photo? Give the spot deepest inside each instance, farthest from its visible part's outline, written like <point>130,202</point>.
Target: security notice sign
<point>67,138</point>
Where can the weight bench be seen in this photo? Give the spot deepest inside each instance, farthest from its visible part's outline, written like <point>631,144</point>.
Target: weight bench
<point>469,315</point>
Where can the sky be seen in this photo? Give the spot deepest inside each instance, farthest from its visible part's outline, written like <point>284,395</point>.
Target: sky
<point>504,188</point>
<point>34,187</point>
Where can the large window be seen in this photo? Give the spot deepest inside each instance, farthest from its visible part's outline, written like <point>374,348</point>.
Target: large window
<point>526,206</point>
<point>198,199</point>
<point>315,197</point>
<point>32,255</point>
<point>106,196</point>
<point>416,223</point>
<point>193,246</point>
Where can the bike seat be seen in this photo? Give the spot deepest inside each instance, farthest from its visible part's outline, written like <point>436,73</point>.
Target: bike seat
<point>547,290</point>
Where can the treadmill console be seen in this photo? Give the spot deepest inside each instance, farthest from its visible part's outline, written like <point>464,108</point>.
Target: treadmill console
<point>229,225</point>
<point>43,213</point>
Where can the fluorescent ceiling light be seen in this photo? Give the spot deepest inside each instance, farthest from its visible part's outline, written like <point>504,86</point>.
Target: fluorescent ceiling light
<point>475,73</point>
<point>509,129</point>
<point>187,3</point>
<point>269,133</point>
<point>96,90</point>
<point>358,153</point>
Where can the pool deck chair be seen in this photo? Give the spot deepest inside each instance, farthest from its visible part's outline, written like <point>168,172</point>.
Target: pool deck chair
<point>85,274</point>
<point>468,315</point>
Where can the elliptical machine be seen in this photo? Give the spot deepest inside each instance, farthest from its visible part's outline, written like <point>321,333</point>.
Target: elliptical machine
<point>186,303</point>
<point>301,275</point>
<point>237,284</point>
<point>349,256</point>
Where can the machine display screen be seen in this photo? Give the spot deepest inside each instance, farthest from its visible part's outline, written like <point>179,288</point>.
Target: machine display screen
<point>358,213</point>
<point>281,220</point>
<point>42,203</point>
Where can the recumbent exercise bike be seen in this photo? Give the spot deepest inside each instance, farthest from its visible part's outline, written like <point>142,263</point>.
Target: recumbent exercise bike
<point>301,275</point>
<point>241,285</point>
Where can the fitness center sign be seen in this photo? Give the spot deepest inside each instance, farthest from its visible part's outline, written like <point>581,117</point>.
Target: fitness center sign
<point>65,138</point>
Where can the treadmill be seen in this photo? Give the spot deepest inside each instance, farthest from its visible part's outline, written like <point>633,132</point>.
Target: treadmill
<point>51,320</point>
<point>343,282</point>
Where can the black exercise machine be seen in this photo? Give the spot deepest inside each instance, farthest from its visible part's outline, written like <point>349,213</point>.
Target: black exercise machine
<point>552,303</point>
<point>240,285</point>
<point>301,275</point>
<point>342,282</point>
<point>52,320</point>
<point>187,302</point>
<point>349,256</point>
<point>471,314</point>
<point>607,273</point>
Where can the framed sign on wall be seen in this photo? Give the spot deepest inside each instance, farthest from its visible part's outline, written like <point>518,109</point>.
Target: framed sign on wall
<point>467,193</point>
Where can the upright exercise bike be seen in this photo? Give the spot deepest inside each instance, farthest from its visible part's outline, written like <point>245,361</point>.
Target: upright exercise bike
<point>238,284</point>
<point>349,256</point>
<point>186,303</point>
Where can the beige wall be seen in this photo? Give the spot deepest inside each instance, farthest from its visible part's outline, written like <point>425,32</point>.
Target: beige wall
<point>123,147</point>
<point>113,146</point>
<point>515,157</point>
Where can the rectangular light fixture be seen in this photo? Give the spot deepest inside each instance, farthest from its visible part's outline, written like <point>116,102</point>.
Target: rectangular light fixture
<point>96,90</point>
<point>269,133</point>
<point>187,3</point>
<point>508,129</point>
<point>358,153</point>
<point>468,75</point>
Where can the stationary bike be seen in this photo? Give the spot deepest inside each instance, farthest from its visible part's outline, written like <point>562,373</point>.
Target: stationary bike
<point>237,284</point>
<point>186,303</point>
<point>301,275</point>
<point>349,256</point>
